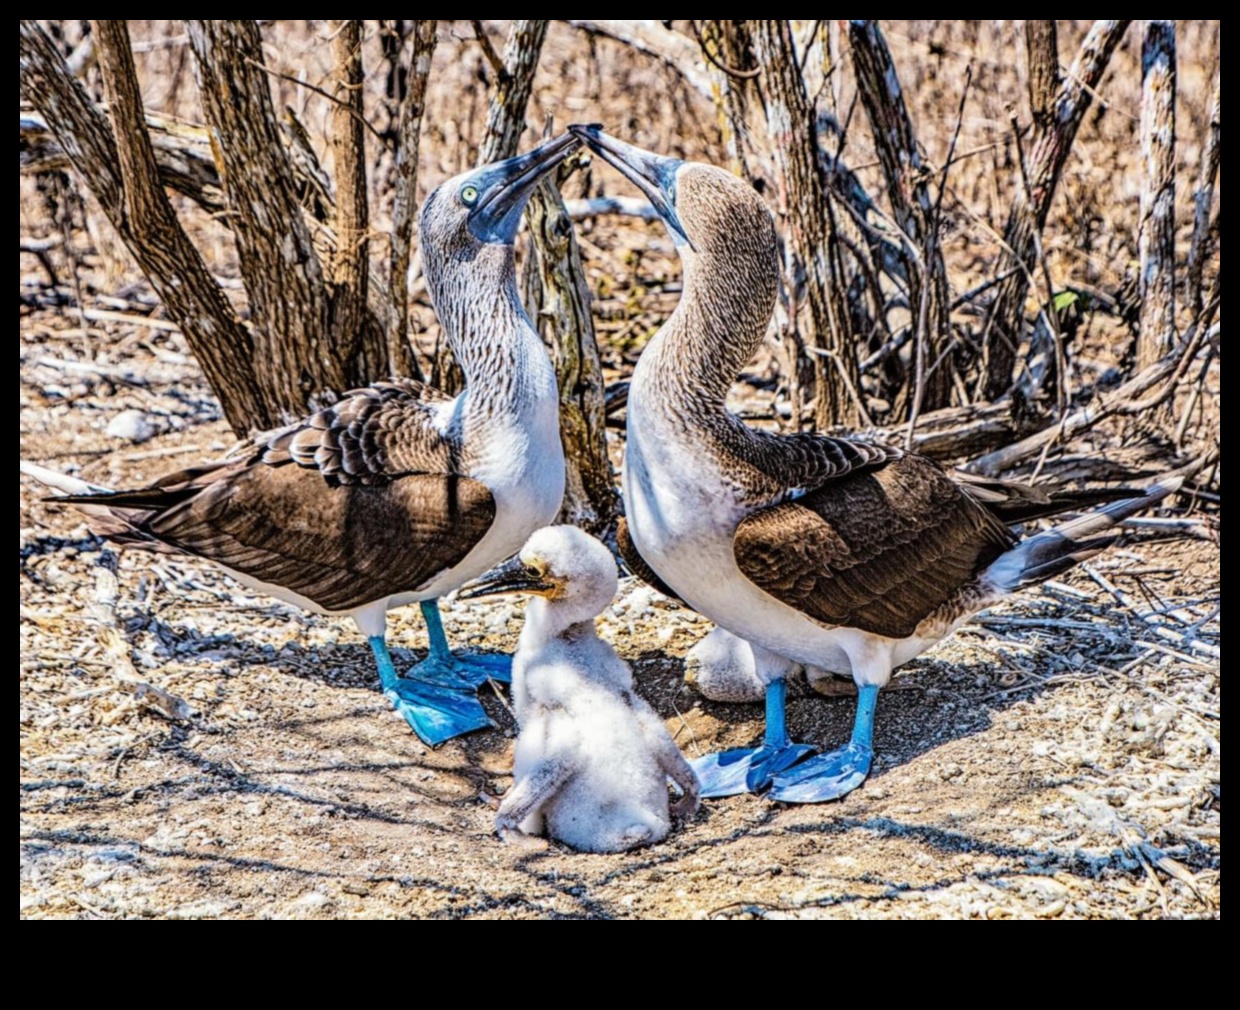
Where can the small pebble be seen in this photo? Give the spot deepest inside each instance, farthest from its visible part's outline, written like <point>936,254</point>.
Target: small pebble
<point>132,425</point>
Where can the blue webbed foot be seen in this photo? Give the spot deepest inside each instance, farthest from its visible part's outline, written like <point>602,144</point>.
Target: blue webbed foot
<point>443,666</point>
<point>745,770</point>
<point>463,671</point>
<point>477,670</point>
<point>437,712</point>
<point>437,707</point>
<point>826,777</point>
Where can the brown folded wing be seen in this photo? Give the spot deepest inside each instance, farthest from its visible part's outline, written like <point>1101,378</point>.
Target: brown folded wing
<point>877,550</point>
<point>339,546</point>
<point>370,436</point>
<point>361,501</point>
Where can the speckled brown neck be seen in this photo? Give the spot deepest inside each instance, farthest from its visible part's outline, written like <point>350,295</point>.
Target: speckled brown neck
<point>487,328</point>
<point>730,279</point>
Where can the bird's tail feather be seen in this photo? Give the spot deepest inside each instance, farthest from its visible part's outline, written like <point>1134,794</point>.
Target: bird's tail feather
<point>95,501</point>
<point>62,482</point>
<point>1053,551</point>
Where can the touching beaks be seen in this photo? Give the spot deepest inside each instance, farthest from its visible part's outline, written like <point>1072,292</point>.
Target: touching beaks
<point>513,576</point>
<point>652,173</point>
<point>503,188</point>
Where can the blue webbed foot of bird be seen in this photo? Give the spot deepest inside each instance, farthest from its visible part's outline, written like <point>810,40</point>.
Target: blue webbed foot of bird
<point>437,712</point>
<point>750,770</point>
<point>470,672</point>
<point>443,666</point>
<point>745,770</point>
<point>477,670</point>
<point>826,777</point>
<point>830,776</point>
<point>436,707</point>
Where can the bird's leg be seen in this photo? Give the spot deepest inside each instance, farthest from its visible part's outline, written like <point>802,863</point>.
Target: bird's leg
<point>443,666</point>
<point>748,770</point>
<point>526,796</point>
<point>437,712</point>
<point>830,776</point>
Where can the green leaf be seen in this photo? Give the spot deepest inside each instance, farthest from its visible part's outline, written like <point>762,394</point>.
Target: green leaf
<point>1066,299</point>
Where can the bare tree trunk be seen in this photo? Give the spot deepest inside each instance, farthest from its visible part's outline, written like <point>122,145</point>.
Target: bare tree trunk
<point>309,336</point>
<point>558,297</point>
<point>405,199</point>
<point>1042,59</point>
<point>506,115</point>
<point>730,93</point>
<point>1156,239</point>
<point>351,322</point>
<point>793,131</point>
<point>908,184</point>
<point>125,180</point>
<point>1203,199</point>
<point>294,354</point>
<point>1027,217</point>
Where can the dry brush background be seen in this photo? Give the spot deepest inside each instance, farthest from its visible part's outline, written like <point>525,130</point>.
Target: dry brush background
<point>1002,245</point>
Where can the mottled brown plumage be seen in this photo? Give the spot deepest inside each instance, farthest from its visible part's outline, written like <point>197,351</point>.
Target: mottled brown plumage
<point>370,436</point>
<point>878,550</point>
<point>359,502</point>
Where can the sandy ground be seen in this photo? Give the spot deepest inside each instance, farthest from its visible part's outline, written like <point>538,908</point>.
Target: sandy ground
<point>1059,757</point>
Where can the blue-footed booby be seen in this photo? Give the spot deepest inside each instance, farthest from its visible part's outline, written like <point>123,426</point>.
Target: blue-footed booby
<point>592,758</point>
<point>832,553</point>
<point>396,493</point>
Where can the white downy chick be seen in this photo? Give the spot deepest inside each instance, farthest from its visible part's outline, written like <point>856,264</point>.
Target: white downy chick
<point>592,757</point>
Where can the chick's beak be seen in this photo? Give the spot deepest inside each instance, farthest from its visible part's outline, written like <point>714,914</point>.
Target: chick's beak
<point>510,577</point>
<point>652,173</point>
<point>506,187</point>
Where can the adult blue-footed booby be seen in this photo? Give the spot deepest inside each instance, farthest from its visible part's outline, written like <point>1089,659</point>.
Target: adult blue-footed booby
<point>396,493</point>
<point>592,758</point>
<point>829,552</point>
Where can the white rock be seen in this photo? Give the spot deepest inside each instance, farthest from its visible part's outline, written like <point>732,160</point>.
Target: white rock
<point>132,425</point>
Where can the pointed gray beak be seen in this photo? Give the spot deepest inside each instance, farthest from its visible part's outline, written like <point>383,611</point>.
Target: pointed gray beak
<point>510,577</point>
<point>504,187</point>
<point>652,173</point>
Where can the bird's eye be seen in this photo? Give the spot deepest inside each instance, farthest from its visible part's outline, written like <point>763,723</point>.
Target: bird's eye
<point>534,571</point>
<point>469,195</point>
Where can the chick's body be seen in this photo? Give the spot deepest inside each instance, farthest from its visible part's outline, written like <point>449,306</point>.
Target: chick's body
<point>577,709</point>
<point>593,759</point>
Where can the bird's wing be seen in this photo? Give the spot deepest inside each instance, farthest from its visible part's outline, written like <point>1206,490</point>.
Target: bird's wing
<point>805,461</point>
<point>878,550</point>
<point>341,546</point>
<point>1014,502</point>
<point>637,564</point>
<point>370,436</point>
<point>361,501</point>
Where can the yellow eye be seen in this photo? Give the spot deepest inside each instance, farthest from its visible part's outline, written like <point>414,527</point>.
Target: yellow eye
<point>469,195</point>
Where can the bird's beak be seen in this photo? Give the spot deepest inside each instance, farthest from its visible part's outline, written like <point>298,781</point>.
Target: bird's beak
<point>506,187</point>
<point>652,173</point>
<point>510,577</point>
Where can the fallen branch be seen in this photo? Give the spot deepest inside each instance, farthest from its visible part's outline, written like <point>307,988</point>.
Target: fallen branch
<point>120,664</point>
<point>1129,398</point>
